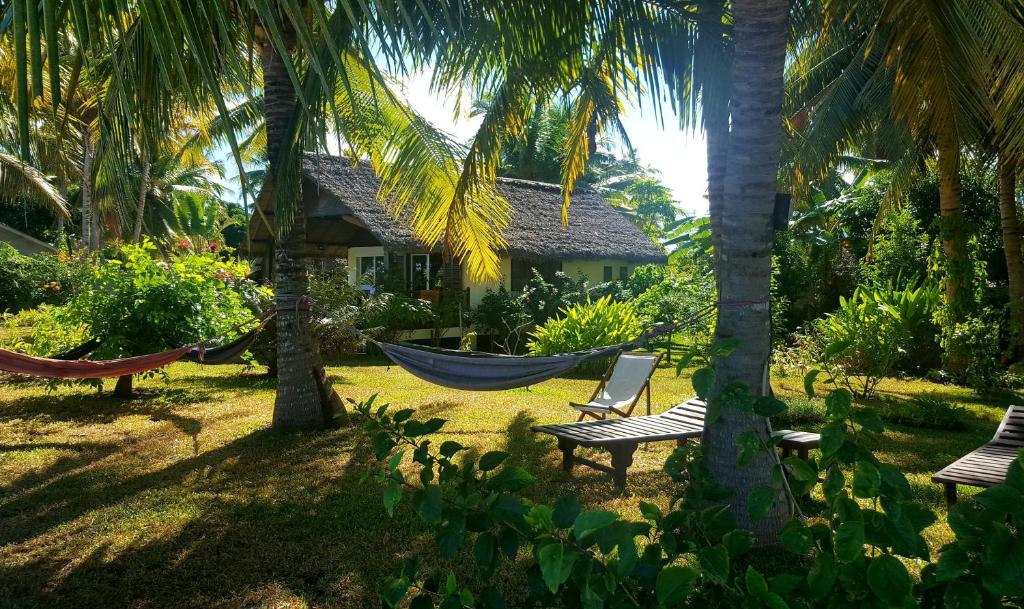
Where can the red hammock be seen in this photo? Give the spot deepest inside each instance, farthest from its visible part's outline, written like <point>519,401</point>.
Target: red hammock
<point>19,363</point>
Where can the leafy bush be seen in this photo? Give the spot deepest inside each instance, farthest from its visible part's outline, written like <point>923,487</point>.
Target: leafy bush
<point>865,338</point>
<point>388,315</point>
<point>587,326</point>
<point>693,554</point>
<point>900,250</point>
<point>543,300</point>
<point>928,411</point>
<point>49,278</point>
<point>504,317</point>
<point>138,304</point>
<point>337,306</point>
<point>972,349</point>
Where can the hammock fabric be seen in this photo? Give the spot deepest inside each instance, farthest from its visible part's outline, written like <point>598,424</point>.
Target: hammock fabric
<point>19,363</point>
<point>230,353</point>
<point>476,371</point>
<point>80,351</point>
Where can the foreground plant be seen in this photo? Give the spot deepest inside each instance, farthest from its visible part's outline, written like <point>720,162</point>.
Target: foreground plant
<point>856,553</point>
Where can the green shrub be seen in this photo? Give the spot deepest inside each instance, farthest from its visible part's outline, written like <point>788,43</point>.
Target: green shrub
<point>866,337</point>
<point>48,278</point>
<point>801,411</point>
<point>543,299</point>
<point>927,411</point>
<point>692,552</point>
<point>504,317</point>
<point>587,326</point>
<point>972,350</point>
<point>139,304</point>
<point>388,315</point>
<point>337,305</point>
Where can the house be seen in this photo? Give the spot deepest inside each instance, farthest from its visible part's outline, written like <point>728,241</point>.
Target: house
<point>25,244</point>
<point>345,220</point>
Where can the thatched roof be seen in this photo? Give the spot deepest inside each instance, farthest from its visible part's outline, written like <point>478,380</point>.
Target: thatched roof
<point>596,230</point>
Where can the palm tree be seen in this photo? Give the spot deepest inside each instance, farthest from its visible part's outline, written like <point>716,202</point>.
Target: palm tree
<point>746,239</point>
<point>1006,174</point>
<point>911,78</point>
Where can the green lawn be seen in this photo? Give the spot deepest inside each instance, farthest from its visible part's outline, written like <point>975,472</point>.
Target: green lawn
<point>182,498</point>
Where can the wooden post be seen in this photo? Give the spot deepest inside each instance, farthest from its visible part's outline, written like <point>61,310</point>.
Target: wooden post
<point>567,447</point>
<point>622,458</point>
<point>950,488</point>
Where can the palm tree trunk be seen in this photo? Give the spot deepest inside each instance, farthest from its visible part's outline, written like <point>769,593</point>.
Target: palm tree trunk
<point>1007,168</point>
<point>87,206</point>
<point>952,218</point>
<point>300,402</point>
<point>746,243</point>
<point>959,274</point>
<point>715,112</point>
<point>140,209</point>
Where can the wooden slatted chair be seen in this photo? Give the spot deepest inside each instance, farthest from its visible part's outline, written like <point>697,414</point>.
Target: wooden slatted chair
<point>626,380</point>
<point>621,437</point>
<point>986,466</point>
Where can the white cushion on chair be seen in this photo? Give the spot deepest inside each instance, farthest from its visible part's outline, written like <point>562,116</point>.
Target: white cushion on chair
<point>631,373</point>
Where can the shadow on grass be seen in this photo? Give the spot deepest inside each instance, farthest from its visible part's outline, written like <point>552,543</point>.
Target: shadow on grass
<point>95,408</point>
<point>275,521</point>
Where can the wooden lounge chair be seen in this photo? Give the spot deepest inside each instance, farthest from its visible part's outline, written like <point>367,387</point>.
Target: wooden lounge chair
<point>986,466</point>
<point>628,377</point>
<point>621,437</point>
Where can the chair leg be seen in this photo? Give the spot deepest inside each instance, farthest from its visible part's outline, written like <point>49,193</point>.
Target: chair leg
<point>568,448</point>
<point>950,488</point>
<point>622,458</point>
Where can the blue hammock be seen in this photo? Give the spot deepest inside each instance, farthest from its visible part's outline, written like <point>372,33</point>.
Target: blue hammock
<point>476,371</point>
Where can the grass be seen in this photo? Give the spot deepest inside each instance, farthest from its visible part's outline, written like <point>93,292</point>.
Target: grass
<point>183,498</point>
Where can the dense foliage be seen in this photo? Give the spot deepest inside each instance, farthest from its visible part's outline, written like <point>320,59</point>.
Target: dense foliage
<point>136,303</point>
<point>587,325</point>
<point>50,278</point>
<point>857,551</point>
<point>874,331</point>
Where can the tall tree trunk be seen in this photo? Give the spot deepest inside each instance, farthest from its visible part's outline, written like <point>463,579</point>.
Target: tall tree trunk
<point>959,275</point>
<point>712,55</point>
<point>86,194</point>
<point>302,387</point>
<point>953,237</point>
<point>1007,169</point>
<point>746,240</point>
<point>140,209</point>
<point>123,388</point>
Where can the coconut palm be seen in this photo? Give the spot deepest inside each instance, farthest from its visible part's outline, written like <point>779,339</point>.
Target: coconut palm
<point>899,80</point>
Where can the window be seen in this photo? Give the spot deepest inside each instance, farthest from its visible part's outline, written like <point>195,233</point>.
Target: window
<point>423,271</point>
<point>372,269</point>
<point>522,272</point>
<point>607,274</point>
<point>623,273</point>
